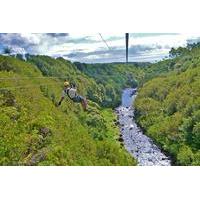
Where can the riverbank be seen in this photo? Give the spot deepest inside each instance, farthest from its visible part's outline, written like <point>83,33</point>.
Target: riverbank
<point>136,143</point>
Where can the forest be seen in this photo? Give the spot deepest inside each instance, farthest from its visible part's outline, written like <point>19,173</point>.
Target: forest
<point>168,104</point>
<point>34,131</point>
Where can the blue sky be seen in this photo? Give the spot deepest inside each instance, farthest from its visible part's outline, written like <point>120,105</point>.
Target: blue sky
<point>90,48</point>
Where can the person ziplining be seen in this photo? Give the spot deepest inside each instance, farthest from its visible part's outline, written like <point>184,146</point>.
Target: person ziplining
<point>71,92</point>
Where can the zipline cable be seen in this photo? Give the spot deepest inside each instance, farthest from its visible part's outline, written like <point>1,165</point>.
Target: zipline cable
<point>105,41</point>
<point>23,78</point>
<point>27,86</point>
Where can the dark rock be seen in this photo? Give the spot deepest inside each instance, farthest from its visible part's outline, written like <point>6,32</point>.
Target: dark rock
<point>117,123</point>
<point>120,139</point>
<point>150,159</point>
<point>40,156</point>
<point>45,131</point>
<point>131,127</point>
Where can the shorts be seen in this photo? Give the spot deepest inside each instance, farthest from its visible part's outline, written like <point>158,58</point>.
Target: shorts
<point>78,99</point>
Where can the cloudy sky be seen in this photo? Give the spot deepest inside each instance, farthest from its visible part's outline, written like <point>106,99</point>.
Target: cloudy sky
<point>91,48</point>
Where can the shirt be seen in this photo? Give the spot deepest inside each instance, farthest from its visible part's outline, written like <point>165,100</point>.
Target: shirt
<point>70,92</point>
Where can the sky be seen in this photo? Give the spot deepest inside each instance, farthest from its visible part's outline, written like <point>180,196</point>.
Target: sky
<point>97,47</point>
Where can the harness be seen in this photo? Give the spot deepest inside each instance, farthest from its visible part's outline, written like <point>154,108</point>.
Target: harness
<point>71,93</point>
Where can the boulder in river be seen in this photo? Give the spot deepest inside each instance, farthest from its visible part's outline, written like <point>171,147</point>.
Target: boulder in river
<point>116,123</point>
<point>120,139</point>
<point>131,127</point>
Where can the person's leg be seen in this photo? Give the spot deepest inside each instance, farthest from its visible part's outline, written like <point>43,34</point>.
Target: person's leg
<point>81,100</point>
<point>84,104</point>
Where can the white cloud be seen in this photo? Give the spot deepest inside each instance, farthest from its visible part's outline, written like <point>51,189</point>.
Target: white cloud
<point>91,48</point>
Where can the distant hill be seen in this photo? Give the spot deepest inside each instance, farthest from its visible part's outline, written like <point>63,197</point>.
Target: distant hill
<point>138,64</point>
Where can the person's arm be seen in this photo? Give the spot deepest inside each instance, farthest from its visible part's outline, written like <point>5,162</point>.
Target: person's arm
<point>62,98</point>
<point>59,103</point>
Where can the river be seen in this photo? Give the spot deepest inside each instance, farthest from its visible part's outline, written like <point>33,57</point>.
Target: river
<point>140,146</point>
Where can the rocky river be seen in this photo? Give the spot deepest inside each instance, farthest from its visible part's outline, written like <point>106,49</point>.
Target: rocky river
<point>136,143</point>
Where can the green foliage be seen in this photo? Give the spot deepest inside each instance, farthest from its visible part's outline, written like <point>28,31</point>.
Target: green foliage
<point>168,105</point>
<point>5,66</point>
<point>111,78</point>
<point>185,156</point>
<point>35,132</point>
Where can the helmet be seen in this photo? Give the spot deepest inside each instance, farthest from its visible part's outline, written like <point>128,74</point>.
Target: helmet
<point>66,83</point>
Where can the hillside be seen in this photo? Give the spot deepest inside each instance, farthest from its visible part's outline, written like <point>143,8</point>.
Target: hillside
<point>113,78</point>
<point>35,132</point>
<point>168,106</point>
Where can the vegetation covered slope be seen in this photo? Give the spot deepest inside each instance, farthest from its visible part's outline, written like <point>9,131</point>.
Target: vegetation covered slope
<point>33,131</point>
<point>113,78</point>
<point>168,106</point>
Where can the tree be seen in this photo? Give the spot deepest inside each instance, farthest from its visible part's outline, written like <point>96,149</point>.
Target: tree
<point>196,135</point>
<point>185,156</point>
<point>7,50</point>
